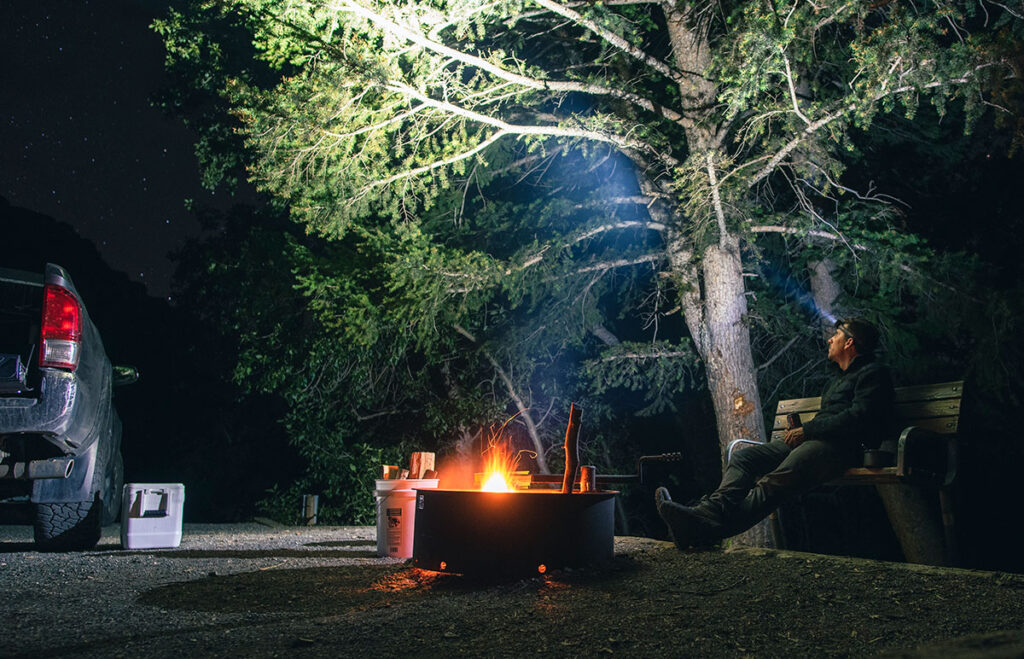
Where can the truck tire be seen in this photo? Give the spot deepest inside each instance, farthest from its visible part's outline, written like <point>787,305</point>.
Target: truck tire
<point>68,526</point>
<point>113,483</point>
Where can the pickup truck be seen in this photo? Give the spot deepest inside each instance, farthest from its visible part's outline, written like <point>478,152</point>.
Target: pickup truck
<point>60,436</point>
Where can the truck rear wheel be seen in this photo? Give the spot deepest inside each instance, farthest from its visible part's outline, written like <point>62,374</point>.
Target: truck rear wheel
<point>68,526</point>
<point>113,483</point>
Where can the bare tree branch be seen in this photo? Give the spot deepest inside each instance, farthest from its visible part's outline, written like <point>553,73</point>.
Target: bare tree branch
<point>611,38</point>
<point>640,356</point>
<point>813,127</point>
<point>778,354</point>
<point>792,91</point>
<point>524,410</point>
<point>716,200</point>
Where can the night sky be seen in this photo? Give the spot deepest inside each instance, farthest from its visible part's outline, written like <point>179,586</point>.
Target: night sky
<point>79,140</point>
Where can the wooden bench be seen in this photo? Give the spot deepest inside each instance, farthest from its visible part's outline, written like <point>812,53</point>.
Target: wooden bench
<point>925,454</point>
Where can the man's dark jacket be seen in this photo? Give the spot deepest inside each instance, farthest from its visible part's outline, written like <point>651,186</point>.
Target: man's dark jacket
<point>856,407</point>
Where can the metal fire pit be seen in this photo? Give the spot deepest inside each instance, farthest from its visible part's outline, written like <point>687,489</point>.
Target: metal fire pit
<point>474,532</point>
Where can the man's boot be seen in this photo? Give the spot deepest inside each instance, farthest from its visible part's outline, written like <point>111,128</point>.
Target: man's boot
<point>688,527</point>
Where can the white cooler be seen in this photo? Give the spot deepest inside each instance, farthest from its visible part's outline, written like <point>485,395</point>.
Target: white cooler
<point>151,515</point>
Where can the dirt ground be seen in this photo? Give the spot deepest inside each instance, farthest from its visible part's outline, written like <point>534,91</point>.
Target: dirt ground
<point>233,591</point>
<point>652,601</point>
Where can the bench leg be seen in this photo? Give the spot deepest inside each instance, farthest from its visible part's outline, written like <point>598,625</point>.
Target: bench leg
<point>776,525</point>
<point>949,526</point>
<point>911,518</point>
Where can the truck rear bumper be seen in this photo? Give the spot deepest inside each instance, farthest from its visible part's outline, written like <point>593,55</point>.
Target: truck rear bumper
<point>50,414</point>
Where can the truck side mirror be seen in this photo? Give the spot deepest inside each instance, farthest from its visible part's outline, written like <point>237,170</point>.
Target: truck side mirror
<point>123,375</point>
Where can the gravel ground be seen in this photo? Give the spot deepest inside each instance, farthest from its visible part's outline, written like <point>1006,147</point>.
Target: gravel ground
<point>88,603</point>
<point>248,590</point>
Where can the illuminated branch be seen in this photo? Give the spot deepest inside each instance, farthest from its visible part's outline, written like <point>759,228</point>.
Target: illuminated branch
<point>602,266</point>
<point>813,127</point>
<point>716,200</point>
<point>816,233</point>
<point>620,263</point>
<point>612,38</point>
<point>792,91</point>
<point>633,224</point>
<point>419,39</point>
<point>469,153</point>
<point>521,129</point>
<point>639,356</point>
<point>828,20</point>
<point>778,354</point>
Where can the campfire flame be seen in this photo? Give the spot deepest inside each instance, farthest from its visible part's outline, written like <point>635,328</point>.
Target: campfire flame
<point>498,467</point>
<point>496,482</point>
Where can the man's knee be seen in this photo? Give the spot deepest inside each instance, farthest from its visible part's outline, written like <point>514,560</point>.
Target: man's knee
<point>759,457</point>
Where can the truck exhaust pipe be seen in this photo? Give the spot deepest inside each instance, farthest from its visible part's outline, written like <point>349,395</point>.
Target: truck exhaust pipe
<point>38,469</point>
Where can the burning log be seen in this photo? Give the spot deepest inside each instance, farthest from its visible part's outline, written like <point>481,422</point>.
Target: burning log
<point>572,449</point>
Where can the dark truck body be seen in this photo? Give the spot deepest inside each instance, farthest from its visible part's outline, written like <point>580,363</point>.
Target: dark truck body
<point>60,436</point>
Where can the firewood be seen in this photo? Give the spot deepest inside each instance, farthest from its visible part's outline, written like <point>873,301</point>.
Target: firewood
<point>419,462</point>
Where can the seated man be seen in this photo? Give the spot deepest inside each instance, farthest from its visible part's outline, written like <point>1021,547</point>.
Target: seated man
<point>856,409</point>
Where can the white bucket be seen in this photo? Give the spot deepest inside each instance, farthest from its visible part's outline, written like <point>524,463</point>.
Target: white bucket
<point>396,514</point>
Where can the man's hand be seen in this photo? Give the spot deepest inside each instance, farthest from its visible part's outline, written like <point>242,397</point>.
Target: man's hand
<point>794,437</point>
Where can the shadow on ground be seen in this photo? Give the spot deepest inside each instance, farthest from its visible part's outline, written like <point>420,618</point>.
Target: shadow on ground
<point>651,601</point>
<point>344,589</point>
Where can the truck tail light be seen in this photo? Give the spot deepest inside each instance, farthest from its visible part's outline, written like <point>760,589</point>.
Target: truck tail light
<point>61,336</point>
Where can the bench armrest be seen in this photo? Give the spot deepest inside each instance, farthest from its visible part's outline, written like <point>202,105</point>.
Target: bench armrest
<point>735,444</point>
<point>925,457</point>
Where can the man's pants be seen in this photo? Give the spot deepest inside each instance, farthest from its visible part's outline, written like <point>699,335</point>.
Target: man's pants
<point>759,478</point>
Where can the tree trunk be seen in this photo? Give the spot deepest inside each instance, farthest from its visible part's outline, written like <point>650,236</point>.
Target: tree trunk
<point>825,290</point>
<point>730,361</point>
<point>713,298</point>
<point>728,357</point>
<point>717,322</point>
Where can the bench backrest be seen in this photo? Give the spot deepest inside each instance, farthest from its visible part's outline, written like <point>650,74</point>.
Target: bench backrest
<point>935,407</point>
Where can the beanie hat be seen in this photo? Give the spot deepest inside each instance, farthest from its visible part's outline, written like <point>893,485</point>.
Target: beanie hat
<point>864,334</point>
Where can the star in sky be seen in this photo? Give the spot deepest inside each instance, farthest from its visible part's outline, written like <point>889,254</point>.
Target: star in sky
<point>79,140</point>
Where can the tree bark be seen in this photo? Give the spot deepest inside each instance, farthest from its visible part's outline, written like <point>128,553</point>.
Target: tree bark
<point>729,359</point>
<point>825,290</point>
<point>717,320</point>
<point>715,306</point>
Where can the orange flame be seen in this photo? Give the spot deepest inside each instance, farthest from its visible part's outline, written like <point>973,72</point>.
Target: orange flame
<point>496,482</point>
<point>498,468</point>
